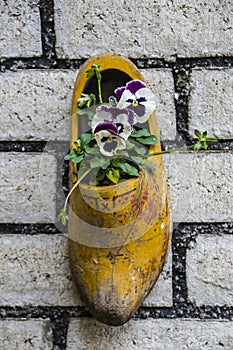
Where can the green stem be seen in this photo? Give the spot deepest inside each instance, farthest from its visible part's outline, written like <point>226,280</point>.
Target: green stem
<point>168,151</point>
<point>75,185</point>
<point>99,78</point>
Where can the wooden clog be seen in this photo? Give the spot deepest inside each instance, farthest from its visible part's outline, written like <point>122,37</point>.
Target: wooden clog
<point>119,235</point>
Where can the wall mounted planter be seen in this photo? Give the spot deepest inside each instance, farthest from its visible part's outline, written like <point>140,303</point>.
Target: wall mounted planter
<point>119,234</point>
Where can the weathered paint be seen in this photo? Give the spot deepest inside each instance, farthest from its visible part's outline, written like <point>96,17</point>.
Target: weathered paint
<point>118,235</point>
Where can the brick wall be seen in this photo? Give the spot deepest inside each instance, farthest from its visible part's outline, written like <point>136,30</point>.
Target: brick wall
<point>185,52</point>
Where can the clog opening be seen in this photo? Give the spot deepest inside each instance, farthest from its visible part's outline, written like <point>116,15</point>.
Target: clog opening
<point>111,79</point>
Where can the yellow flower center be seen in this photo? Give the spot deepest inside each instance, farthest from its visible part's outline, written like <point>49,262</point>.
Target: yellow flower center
<point>135,103</point>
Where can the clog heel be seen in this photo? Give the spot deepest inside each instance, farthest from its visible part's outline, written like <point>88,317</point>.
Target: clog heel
<point>119,234</point>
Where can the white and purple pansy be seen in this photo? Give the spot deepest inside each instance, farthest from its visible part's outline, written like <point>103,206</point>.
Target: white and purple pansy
<point>108,139</point>
<point>136,96</point>
<point>111,127</point>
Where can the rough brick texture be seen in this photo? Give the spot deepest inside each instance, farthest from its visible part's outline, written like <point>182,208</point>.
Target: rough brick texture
<point>161,82</point>
<point>200,186</point>
<point>151,334</point>
<point>20,34</point>
<point>38,103</point>
<point>209,270</point>
<point>27,185</point>
<point>143,29</point>
<point>35,271</point>
<point>25,334</point>
<point>211,102</point>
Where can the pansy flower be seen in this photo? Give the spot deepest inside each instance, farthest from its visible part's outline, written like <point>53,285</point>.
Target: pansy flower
<point>111,127</point>
<point>136,96</point>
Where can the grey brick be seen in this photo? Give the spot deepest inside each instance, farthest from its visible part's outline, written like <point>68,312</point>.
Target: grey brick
<point>211,102</point>
<point>209,270</point>
<point>200,186</point>
<point>35,271</point>
<point>27,183</point>
<point>20,29</point>
<point>151,334</point>
<point>22,334</point>
<point>143,29</point>
<point>162,84</point>
<point>35,105</point>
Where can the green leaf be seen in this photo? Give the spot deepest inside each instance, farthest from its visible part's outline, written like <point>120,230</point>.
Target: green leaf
<point>97,162</point>
<point>70,155</point>
<point>137,160</point>
<point>113,175</point>
<point>91,150</point>
<point>125,167</point>
<point>205,146</point>
<point>90,72</point>
<point>211,139</point>
<point>197,146</point>
<point>129,169</point>
<point>74,156</point>
<point>105,164</point>
<point>198,133</point>
<point>77,159</point>
<point>141,150</point>
<point>203,139</point>
<point>95,69</point>
<point>140,133</point>
<point>100,175</point>
<point>86,138</point>
<point>116,162</point>
<point>123,153</point>
<point>67,157</point>
<point>129,145</point>
<point>150,140</point>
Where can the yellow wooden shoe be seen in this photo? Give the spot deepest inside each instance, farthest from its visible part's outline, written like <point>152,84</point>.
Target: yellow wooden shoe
<point>119,235</point>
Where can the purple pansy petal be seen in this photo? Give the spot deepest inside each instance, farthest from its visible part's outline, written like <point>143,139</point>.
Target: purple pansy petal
<point>118,92</point>
<point>139,110</point>
<point>100,116</point>
<point>131,118</point>
<point>134,85</point>
<point>107,126</point>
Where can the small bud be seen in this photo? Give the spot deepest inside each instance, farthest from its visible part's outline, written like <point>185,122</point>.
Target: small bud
<point>84,100</point>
